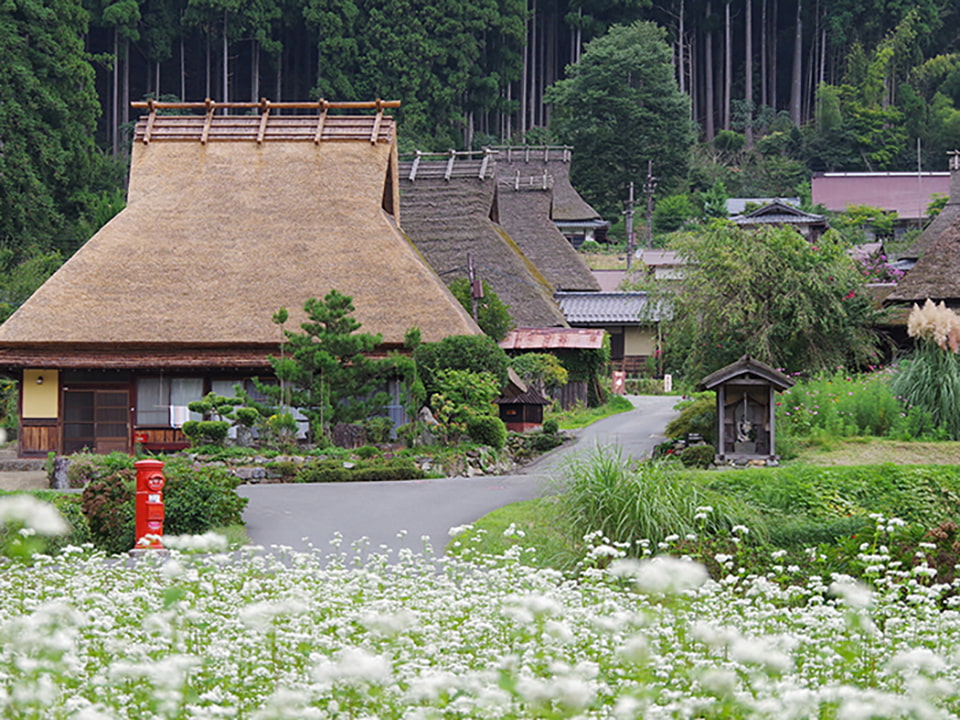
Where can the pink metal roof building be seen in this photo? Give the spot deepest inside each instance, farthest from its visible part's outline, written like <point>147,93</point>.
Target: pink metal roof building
<point>906,193</point>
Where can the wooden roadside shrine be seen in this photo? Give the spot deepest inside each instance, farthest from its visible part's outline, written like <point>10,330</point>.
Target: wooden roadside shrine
<point>746,391</point>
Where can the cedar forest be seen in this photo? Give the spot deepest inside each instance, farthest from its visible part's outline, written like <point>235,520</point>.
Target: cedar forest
<point>754,93</point>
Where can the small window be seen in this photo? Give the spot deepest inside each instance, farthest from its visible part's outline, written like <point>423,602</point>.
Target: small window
<point>162,401</point>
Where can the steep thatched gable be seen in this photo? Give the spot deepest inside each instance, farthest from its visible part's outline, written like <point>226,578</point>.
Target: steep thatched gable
<point>448,208</point>
<point>228,219</point>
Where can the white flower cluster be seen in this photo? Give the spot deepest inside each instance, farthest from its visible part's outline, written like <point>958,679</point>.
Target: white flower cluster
<point>35,515</point>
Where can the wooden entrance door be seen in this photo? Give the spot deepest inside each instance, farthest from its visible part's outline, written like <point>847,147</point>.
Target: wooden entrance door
<point>97,419</point>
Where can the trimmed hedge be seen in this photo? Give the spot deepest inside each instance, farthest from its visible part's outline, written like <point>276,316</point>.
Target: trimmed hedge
<point>487,430</point>
<point>332,470</point>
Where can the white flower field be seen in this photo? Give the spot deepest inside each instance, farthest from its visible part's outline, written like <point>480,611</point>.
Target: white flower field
<point>266,636</point>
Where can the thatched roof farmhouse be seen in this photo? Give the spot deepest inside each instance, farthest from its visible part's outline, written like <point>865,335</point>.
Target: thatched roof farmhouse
<point>229,218</point>
<point>449,209</point>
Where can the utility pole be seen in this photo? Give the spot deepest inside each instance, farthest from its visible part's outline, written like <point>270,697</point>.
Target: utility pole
<point>628,213</point>
<point>649,187</point>
<point>476,286</point>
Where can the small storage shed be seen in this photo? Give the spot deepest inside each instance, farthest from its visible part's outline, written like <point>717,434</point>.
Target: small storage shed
<point>523,411</point>
<point>745,408</point>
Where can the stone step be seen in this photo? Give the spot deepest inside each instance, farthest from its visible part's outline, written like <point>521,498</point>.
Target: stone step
<point>21,464</point>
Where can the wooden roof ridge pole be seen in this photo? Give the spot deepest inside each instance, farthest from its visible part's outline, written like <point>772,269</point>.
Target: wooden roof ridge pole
<point>210,106</point>
<point>374,134</point>
<point>321,120</point>
<point>449,172</point>
<point>415,166</point>
<point>315,105</point>
<point>264,116</point>
<point>487,152</point>
<point>150,120</point>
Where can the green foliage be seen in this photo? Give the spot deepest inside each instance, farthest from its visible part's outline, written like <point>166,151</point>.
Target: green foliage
<point>620,107</point>
<point>374,469</point>
<point>460,352</point>
<point>714,201</point>
<point>773,295</point>
<point>837,405</point>
<point>379,429</point>
<point>472,392</point>
<point>698,414</point>
<point>542,370</point>
<point>50,168</point>
<point>21,273</point>
<point>857,217</point>
<point>86,468</point>
<point>206,432</point>
<point>487,430</point>
<point>198,499</point>
<point>930,382</point>
<point>493,316</point>
<point>551,426</point>
<point>325,370</point>
<point>627,504</point>
<point>672,212</point>
<point>697,456</point>
<point>8,403</point>
<point>108,505</point>
<point>69,505</point>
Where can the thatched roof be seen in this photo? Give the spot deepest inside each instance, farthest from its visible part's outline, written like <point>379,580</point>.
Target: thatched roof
<point>936,274</point>
<point>217,235</point>
<point>568,205</point>
<point>525,198</point>
<point>448,209</point>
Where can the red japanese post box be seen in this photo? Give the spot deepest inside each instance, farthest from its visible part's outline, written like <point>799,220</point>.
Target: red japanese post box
<point>150,482</point>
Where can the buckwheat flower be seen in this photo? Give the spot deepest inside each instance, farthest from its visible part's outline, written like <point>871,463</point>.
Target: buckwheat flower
<point>719,682</point>
<point>662,575</point>
<point>526,609</point>
<point>205,543</point>
<point>916,661</point>
<point>513,532</point>
<point>458,530</point>
<point>636,650</point>
<point>740,530</point>
<point>260,615</point>
<point>760,651</point>
<point>355,667</point>
<point>389,624</point>
<point>853,594</point>
<point>36,515</point>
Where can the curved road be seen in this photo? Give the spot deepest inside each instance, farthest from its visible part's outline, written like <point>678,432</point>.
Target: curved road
<point>399,514</point>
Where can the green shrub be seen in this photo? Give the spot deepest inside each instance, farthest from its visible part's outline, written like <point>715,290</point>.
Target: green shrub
<point>199,499</point>
<point>551,426</point>
<point>379,429</point>
<point>206,432</point>
<point>287,469</point>
<point>698,456</point>
<point>487,430</point>
<point>108,505</point>
<point>697,415</point>
<point>84,468</point>
<point>69,505</point>
<point>476,353</point>
<point>367,451</point>
<point>591,246</point>
<point>800,533</point>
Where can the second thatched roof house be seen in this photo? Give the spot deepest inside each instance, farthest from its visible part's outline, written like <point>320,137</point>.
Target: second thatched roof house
<point>228,219</point>
<point>450,211</point>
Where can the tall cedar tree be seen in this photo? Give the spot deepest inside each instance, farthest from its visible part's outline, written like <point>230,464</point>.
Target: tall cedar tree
<point>773,295</point>
<point>50,169</point>
<point>620,107</point>
<point>325,369</point>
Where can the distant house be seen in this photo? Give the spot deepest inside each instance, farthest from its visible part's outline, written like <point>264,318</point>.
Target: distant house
<point>780,213</point>
<point>630,318</point>
<point>228,219</point>
<point>738,206</point>
<point>906,193</point>
<point>662,264</point>
<point>450,210</point>
<point>573,216</point>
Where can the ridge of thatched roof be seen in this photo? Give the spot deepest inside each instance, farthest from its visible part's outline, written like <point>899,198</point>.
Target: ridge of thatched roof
<point>568,204</point>
<point>448,215</point>
<point>217,236</point>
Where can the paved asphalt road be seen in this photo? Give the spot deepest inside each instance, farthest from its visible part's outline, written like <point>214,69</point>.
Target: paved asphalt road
<point>298,515</point>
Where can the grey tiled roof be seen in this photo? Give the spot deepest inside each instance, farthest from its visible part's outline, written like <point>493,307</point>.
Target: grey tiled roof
<point>607,308</point>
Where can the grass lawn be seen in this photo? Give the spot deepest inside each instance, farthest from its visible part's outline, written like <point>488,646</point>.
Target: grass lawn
<point>874,451</point>
<point>581,417</point>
